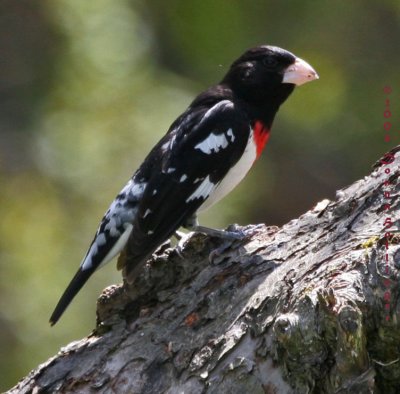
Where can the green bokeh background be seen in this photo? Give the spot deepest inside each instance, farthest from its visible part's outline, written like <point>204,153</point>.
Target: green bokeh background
<point>87,88</point>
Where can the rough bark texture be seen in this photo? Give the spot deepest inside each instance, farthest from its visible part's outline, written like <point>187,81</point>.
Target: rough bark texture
<point>312,307</point>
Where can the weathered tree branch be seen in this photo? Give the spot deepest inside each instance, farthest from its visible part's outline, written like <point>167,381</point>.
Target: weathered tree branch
<point>312,307</point>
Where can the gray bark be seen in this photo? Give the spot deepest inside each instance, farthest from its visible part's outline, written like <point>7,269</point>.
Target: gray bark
<point>311,307</point>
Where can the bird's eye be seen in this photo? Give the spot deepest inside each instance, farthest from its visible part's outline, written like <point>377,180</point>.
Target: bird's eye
<point>270,62</point>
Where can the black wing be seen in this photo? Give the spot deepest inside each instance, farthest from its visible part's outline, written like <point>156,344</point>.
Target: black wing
<point>186,166</point>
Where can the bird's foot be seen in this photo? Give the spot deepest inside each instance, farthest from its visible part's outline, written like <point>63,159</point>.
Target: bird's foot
<point>192,224</point>
<point>224,234</point>
<point>239,234</point>
<point>233,233</point>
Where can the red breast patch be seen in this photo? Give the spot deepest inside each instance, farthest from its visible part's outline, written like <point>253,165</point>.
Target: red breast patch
<point>261,136</point>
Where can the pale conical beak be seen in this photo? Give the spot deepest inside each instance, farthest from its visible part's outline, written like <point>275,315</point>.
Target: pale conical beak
<point>299,73</point>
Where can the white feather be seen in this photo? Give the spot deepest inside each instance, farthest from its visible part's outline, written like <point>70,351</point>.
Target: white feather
<point>203,191</point>
<point>213,143</point>
<point>234,175</point>
<point>117,248</point>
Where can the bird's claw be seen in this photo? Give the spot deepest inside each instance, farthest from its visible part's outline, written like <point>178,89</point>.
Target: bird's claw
<point>244,233</point>
<point>232,234</point>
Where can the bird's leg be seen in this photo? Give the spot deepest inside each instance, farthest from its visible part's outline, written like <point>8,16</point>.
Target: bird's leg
<point>192,224</point>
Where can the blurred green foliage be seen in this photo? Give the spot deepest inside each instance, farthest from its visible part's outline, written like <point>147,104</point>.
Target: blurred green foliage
<point>86,89</point>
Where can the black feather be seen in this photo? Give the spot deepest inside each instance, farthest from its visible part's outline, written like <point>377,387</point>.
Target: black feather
<point>70,292</point>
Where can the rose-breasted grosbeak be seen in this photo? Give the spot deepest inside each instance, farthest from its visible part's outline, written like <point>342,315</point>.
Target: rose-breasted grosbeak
<point>206,152</point>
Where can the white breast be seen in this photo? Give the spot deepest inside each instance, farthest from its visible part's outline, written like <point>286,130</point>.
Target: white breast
<point>234,175</point>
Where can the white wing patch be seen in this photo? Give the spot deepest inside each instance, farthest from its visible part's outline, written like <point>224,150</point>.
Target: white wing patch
<point>203,191</point>
<point>234,175</point>
<point>213,143</point>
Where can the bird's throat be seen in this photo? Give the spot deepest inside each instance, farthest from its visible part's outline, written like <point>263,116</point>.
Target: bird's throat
<point>261,135</point>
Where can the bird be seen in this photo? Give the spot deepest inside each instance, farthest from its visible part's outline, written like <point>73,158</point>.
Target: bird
<point>205,153</point>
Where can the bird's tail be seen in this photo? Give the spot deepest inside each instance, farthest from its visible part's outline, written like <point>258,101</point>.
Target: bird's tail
<point>70,292</point>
